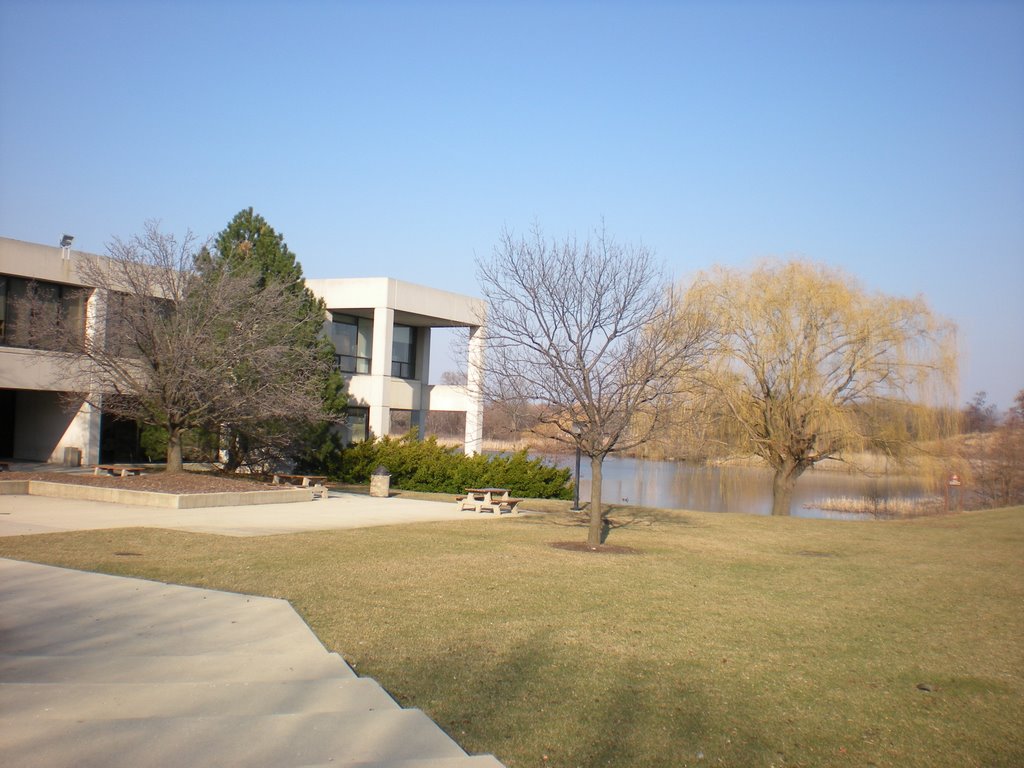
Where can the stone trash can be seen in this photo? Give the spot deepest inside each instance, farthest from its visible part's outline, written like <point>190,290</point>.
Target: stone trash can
<point>72,457</point>
<point>380,483</point>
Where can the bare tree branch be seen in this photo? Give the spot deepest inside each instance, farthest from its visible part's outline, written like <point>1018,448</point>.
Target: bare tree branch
<point>178,348</point>
<point>591,337</point>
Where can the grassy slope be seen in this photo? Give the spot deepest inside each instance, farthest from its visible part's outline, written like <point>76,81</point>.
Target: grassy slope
<point>730,640</point>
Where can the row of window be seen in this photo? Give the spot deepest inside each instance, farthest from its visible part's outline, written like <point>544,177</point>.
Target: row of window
<point>353,345</point>
<point>41,315</point>
<point>44,315</point>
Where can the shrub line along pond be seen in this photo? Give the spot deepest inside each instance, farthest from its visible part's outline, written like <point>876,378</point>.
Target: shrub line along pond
<point>685,485</point>
<point>426,465</point>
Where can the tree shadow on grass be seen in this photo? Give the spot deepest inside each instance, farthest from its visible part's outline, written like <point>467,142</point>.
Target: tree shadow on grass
<point>619,517</point>
<point>535,699</point>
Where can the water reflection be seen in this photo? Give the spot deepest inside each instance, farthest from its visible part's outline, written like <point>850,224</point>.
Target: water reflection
<point>680,485</point>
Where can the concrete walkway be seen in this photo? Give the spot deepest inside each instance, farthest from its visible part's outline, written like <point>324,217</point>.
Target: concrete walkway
<point>39,514</point>
<point>107,671</point>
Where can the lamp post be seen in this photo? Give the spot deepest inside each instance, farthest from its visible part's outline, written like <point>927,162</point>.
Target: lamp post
<point>577,429</point>
<point>65,246</point>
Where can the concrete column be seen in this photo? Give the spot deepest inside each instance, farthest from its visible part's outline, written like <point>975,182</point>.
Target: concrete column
<point>383,337</point>
<point>380,371</point>
<point>91,415</point>
<point>96,318</point>
<point>422,401</point>
<point>50,428</point>
<point>475,391</point>
<point>379,420</point>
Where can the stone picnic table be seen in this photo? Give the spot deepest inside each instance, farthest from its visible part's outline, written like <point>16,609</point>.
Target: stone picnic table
<point>493,500</point>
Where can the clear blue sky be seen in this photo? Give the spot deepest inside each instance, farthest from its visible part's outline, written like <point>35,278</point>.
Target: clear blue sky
<point>398,139</point>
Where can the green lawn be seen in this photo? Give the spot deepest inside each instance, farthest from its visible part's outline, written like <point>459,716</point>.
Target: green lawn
<point>728,640</point>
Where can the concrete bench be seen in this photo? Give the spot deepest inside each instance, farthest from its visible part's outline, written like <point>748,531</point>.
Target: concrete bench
<point>304,480</point>
<point>314,482</point>
<point>112,469</point>
<point>512,504</point>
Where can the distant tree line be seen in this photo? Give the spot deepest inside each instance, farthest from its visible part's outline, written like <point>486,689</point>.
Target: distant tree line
<point>790,362</point>
<point>997,461</point>
<point>220,349</point>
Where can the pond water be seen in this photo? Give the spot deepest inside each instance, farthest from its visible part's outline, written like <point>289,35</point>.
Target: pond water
<point>682,485</point>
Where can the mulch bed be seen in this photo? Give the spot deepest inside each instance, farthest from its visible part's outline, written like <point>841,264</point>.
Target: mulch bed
<point>158,481</point>
<point>600,549</point>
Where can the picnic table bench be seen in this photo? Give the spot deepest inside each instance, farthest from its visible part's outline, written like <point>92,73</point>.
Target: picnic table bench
<point>113,469</point>
<point>313,482</point>
<point>304,480</point>
<point>493,500</point>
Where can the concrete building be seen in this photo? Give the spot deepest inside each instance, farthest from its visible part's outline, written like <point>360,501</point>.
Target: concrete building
<point>380,329</point>
<point>38,420</point>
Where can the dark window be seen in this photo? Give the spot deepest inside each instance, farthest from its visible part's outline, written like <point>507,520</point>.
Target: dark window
<point>118,337</point>
<point>41,315</point>
<point>357,422</point>
<point>132,324</point>
<point>72,313</point>
<point>8,415</point>
<point>401,422</point>
<point>353,343</point>
<point>3,307</point>
<point>403,352</point>
<point>120,440</point>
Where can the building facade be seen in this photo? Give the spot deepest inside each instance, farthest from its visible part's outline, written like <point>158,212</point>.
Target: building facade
<point>38,420</point>
<point>380,329</point>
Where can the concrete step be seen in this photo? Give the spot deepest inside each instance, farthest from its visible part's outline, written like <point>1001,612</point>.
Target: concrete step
<point>62,612</point>
<point>364,738</point>
<point>111,701</point>
<point>213,668</point>
<point>469,761</point>
<point>107,671</point>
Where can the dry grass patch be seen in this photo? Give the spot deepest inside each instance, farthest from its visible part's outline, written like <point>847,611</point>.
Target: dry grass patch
<point>731,640</point>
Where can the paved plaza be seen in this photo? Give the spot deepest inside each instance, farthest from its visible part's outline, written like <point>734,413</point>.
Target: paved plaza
<point>39,514</point>
<point>105,671</point>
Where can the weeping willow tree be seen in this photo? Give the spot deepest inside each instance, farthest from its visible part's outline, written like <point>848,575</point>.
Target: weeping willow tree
<point>809,365</point>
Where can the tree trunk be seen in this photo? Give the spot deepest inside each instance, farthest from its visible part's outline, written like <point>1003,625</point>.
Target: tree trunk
<point>596,518</point>
<point>174,450</point>
<point>783,485</point>
<point>232,450</point>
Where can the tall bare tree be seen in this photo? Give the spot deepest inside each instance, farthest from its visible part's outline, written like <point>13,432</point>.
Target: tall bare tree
<point>805,358</point>
<point>979,415</point>
<point>173,347</point>
<point>997,465</point>
<point>591,336</point>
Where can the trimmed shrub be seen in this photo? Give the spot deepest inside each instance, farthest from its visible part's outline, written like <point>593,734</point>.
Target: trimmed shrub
<point>424,465</point>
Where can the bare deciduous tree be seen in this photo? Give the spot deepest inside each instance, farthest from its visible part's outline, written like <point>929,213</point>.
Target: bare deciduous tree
<point>998,467</point>
<point>979,415</point>
<point>178,348</point>
<point>806,356</point>
<point>591,336</point>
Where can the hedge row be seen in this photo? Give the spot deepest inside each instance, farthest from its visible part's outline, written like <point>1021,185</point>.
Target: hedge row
<point>424,465</point>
